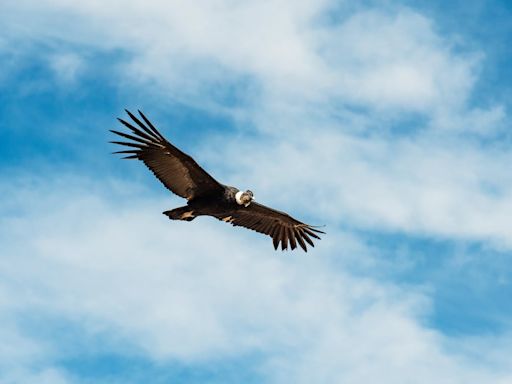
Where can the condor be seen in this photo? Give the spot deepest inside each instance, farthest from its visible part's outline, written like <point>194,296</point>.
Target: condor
<point>206,196</point>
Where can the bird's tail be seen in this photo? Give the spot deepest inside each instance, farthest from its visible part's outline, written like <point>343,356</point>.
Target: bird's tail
<point>181,213</point>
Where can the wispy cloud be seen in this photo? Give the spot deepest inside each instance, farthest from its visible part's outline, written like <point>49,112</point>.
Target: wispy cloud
<point>361,118</point>
<point>377,58</point>
<point>118,269</point>
<point>418,186</point>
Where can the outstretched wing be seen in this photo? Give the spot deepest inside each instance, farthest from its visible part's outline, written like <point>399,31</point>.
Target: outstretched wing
<point>175,169</point>
<point>280,226</point>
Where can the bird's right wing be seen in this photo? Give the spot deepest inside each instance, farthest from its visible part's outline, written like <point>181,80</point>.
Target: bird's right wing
<point>279,225</point>
<point>175,169</point>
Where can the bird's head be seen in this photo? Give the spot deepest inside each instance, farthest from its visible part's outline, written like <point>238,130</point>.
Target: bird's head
<point>244,198</point>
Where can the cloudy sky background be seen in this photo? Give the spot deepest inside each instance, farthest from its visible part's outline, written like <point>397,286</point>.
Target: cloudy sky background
<point>389,122</point>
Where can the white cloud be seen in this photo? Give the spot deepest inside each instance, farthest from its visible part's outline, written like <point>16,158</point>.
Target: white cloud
<point>396,60</point>
<point>382,59</point>
<point>304,73</point>
<point>422,186</point>
<point>124,269</point>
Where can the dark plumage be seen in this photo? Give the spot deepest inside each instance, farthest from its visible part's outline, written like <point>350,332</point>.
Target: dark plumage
<point>206,196</point>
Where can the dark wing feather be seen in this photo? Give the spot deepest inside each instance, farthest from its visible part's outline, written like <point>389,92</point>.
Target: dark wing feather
<point>174,168</point>
<point>283,228</point>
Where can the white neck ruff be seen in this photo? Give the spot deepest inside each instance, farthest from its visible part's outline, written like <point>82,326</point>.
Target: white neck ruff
<point>238,198</point>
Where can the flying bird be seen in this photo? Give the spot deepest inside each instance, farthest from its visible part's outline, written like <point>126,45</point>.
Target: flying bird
<point>206,196</point>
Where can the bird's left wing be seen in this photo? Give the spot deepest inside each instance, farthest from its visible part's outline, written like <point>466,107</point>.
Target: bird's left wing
<point>279,225</point>
<point>175,169</point>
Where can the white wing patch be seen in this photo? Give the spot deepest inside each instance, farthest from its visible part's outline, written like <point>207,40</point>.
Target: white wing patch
<point>228,219</point>
<point>187,215</point>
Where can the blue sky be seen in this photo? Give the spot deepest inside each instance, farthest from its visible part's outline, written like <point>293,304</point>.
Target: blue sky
<point>389,122</point>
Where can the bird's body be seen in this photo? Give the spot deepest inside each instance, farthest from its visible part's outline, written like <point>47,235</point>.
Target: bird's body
<point>206,196</point>
<point>214,204</point>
